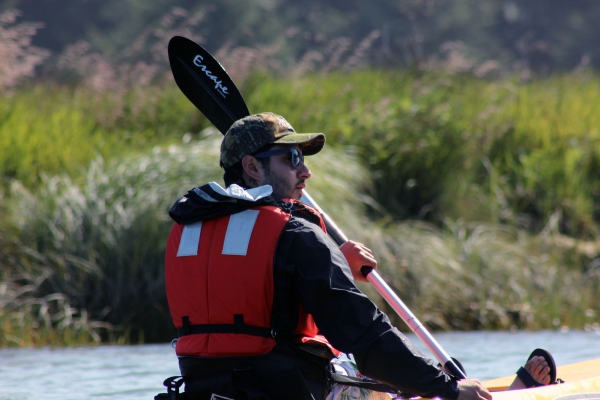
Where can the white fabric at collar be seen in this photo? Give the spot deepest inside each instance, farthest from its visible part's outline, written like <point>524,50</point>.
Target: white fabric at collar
<point>237,192</point>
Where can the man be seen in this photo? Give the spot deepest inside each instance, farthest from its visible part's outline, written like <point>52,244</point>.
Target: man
<point>263,299</point>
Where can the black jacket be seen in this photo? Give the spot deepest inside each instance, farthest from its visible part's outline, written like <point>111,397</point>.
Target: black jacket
<point>310,270</point>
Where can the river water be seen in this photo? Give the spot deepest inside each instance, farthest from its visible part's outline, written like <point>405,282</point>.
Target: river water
<point>137,372</point>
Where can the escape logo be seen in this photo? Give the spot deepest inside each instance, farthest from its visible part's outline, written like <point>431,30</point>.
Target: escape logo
<point>222,90</point>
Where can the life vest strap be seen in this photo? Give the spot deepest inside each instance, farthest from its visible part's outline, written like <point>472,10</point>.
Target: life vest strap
<point>238,326</point>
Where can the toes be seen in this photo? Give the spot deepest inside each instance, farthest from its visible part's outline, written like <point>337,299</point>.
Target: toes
<point>534,363</point>
<point>545,374</point>
<point>539,370</point>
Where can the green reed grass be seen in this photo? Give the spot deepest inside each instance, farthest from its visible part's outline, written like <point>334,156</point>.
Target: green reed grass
<point>49,129</point>
<point>101,244</point>
<point>479,198</point>
<point>30,316</point>
<point>104,239</point>
<point>512,152</point>
<point>469,276</point>
<point>437,145</point>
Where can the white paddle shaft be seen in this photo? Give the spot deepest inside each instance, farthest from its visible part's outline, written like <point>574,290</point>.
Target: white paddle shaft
<point>393,300</point>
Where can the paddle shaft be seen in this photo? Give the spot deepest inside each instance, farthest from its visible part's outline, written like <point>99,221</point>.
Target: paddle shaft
<point>393,300</point>
<point>208,86</point>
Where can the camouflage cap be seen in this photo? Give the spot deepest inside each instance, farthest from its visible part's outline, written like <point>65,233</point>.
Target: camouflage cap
<point>251,133</point>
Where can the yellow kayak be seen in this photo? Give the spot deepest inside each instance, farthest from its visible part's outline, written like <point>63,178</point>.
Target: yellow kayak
<point>582,381</point>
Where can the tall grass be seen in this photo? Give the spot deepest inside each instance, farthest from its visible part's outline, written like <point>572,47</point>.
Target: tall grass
<point>31,316</point>
<point>104,240</point>
<point>109,233</point>
<point>50,129</point>
<point>483,276</point>
<point>478,197</point>
<point>437,145</point>
<point>452,145</point>
<point>101,247</point>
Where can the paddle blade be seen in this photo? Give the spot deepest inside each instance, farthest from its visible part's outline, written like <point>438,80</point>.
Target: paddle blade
<point>205,83</point>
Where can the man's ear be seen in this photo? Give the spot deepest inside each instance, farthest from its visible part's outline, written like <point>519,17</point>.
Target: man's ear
<point>252,168</point>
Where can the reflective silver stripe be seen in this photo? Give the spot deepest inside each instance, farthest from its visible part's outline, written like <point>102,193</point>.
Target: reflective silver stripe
<point>238,233</point>
<point>190,237</point>
<point>219,397</point>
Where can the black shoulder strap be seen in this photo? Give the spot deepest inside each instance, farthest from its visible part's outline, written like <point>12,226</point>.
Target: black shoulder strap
<point>238,326</point>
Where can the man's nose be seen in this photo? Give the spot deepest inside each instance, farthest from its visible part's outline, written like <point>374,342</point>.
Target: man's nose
<point>303,171</point>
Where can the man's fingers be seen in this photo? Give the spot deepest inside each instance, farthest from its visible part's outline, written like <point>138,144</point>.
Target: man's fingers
<point>472,389</point>
<point>369,257</point>
<point>358,255</point>
<point>484,393</point>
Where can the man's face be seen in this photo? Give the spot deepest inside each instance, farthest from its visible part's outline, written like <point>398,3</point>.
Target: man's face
<point>287,181</point>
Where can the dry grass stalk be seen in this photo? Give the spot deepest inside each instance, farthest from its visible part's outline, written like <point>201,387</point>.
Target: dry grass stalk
<point>18,58</point>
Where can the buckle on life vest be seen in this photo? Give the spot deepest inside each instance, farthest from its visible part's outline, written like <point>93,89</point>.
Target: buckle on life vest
<point>172,384</point>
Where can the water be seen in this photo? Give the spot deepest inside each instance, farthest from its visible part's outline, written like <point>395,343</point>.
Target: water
<point>137,372</point>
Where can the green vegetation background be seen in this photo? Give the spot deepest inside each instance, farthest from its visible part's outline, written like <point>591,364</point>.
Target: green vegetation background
<point>479,197</point>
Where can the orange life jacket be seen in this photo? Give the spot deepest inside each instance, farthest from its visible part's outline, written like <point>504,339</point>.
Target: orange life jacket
<point>219,278</point>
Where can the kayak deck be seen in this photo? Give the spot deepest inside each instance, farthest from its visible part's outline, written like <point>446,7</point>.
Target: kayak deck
<point>568,373</point>
<point>582,381</point>
<point>588,389</point>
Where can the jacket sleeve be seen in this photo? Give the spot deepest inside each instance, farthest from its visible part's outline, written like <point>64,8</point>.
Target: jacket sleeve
<point>350,321</point>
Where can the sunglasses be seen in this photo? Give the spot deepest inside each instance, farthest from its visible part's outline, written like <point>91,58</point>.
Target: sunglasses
<point>297,157</point>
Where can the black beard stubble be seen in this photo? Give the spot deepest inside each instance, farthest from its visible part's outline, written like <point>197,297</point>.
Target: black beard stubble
<point>279,185</point>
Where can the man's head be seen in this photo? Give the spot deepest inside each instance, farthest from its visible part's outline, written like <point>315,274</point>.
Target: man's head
<point>264,149</point>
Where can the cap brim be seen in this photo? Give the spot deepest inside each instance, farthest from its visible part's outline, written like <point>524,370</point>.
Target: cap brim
<point>310,143</point>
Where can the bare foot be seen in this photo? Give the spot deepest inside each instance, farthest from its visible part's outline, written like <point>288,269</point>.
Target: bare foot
<point>538,369</point>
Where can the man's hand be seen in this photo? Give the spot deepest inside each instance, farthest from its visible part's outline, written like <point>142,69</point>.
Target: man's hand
<point>472,389</point>
<point>358,256</point>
